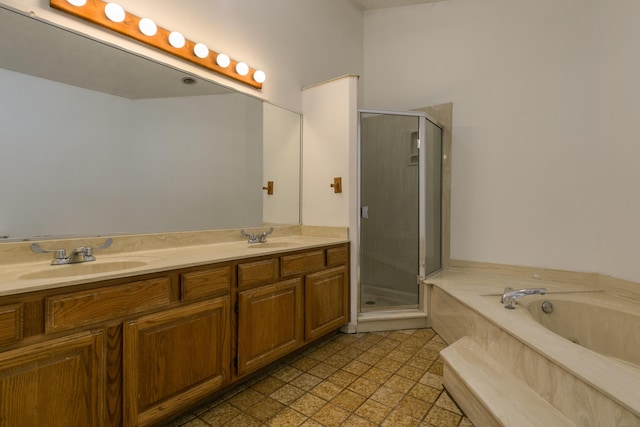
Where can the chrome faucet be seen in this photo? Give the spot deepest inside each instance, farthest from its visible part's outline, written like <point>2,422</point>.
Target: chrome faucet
<point>257,238</point>
<point>77,255</point>
<point>511,296</point>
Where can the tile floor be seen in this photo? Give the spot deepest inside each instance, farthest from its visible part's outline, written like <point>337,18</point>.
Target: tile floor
<point>369,379</point>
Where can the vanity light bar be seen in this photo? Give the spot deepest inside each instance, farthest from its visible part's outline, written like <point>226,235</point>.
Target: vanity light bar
<point>113,17</point>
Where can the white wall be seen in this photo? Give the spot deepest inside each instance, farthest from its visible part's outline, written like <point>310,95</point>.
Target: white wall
<point>522,78</point>
<point>328,122</point>
<point>618,157</point>
<point>296,42</point>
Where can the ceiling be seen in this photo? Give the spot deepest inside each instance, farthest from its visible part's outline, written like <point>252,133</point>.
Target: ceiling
<point>381,4</point>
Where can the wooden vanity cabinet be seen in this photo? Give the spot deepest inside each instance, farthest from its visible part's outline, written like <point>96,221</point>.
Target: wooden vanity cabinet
<point>59,382</point>
<point>173,358</point>
<point>136,351</point>
<point>281,309</point>
<point>270,324</point>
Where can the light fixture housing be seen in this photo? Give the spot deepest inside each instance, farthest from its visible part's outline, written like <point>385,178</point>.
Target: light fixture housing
<point>113,17</point>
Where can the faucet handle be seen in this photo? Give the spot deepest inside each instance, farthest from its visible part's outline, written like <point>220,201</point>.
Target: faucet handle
<point>506,290</point>
<point>89,250</point>
<point>57,253</point>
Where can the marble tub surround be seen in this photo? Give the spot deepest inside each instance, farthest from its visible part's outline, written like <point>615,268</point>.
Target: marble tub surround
<point>21,270</point>
<point>588,388</point>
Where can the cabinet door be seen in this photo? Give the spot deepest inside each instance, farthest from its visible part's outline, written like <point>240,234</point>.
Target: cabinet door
<point>270,323</point>
<point>174,358</point>
<point>326,301</point>
<point>55,383</point>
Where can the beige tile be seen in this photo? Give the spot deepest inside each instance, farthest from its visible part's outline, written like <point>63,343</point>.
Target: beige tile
<point>245,399</point>
<point>326,390</point>
<point>432,380</point>
<point>337,360</point>
<point>410,372</point>
<point>373,411</point>
<point>286,373</point>
<point>306,381</point>
<point>384,347</point>
<point>465,422</point>
<point>442,418</point>
<point>400,355</point>
<point>286,394</point>
<point>244,420</point>
<point>288,418</point>
<point>308,404</point>
<point>377,375</point>
<point>387,396</point>
<point>265,409</point>
<point>351,352</point>
<point>364,387</point>
<point>304,363</point>
<point>414,407</point>
<point>268,385</point>
<point>445,402</point>
<point>311,423</point>
<point>436,368</point>
<point>399,383</point>
<point>330,415</point>
<point>348,400</point>
<point>342,378</point>
<point>322,370</point>
<point>356,421</point>
<point>388,364</point>
<point>369,358</point>
<point>424,393</point>
<point>220,414</point>
<point>398,419</point>
<point>320,354</point>
<point>356,367</point>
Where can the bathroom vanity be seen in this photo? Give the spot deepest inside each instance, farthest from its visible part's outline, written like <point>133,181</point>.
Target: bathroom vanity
<point>138,348</point>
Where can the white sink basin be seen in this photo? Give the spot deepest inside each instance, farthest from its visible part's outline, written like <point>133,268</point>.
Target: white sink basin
<point>81,269</point>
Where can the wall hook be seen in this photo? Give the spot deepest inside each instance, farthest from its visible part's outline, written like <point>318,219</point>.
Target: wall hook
<point>337,185</point>
<point>269,187</point>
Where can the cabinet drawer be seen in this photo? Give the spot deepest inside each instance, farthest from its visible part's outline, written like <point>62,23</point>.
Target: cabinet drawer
<point>10,323</point>
<point>301,263</point>
<point>258,272</point>
<point>206,283</point>
<point>337,256</point>
<point>97,305</point>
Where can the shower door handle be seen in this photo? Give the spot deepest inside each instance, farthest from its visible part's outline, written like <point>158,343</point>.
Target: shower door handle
<point>364,212</point>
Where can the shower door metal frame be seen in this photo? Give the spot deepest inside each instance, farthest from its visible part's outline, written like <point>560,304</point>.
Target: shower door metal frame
<point>422,117</point>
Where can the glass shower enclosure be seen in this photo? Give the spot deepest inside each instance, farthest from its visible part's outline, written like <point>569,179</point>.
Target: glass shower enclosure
<point>400,170</point>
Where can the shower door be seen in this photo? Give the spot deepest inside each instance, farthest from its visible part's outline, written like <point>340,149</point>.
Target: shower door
<point>393,219</point>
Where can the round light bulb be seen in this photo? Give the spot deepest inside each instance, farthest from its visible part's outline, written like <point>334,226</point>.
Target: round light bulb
<point>223,60</point>
<point>201,50</point>
<point>114,12</point>
<point>259,76</point>
<point>176,39</point>
<point>242,69</point>
<point>147,27</point>
<point>77,2</point>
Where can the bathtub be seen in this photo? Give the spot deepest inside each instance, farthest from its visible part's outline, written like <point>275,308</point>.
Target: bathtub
<point>583,357</point>
<point>604,323</point>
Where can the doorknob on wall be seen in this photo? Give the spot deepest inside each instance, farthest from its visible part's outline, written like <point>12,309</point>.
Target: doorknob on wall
<point>337,185</point>
<point>269,187</point>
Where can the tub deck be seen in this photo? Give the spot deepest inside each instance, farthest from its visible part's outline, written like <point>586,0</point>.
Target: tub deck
<point>588,388</point>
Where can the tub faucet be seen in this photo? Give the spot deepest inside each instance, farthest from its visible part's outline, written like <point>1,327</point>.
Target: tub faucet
<point>511,296</point>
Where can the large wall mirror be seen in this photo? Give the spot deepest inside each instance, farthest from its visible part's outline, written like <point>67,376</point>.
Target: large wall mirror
<point>99,141</point>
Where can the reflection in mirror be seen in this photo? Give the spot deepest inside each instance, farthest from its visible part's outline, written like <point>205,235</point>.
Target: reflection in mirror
<point>100,141</point>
